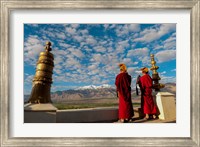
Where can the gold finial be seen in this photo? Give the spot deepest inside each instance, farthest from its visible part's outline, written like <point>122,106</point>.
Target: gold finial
<point>155,77</point>
<point>154,68</point>
<point>43,77</point>
<point>48,46</point>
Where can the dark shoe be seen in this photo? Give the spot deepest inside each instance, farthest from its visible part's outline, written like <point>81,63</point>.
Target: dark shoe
<point>126,121</point>
<point>131,120</point>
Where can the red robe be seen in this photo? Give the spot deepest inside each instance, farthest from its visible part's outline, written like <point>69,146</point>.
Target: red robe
<point>123,85</point>
<point>147,103</point>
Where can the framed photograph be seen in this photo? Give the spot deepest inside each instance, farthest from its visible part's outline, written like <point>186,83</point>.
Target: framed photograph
<point>141,19</point>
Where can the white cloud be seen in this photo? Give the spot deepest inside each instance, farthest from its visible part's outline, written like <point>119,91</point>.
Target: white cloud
<point>75,25</point>
<point>100,49</point>
<point>96,58</point>
<point>173,70</point>
<point>131,70</point>
<point>110,49</point>
<point>61,35</point>
<point>70,30</point>
<point>128,28</point>
<point>102,42</point>
<point>65,45</point>
<point>170,43</point>
<point>166,28</point>
<point>165,55</point>
<point>93,67</point>
<point>94,72</point>
<point>32,48</point>
<point>170,39</point>
<point>138,72</point>
<point>49,32</point>
<point>76,52</point>
<point>153,33</point>
<point>106,26</point>
<point>146,61</point>
<point>57,52</point>
<point>127,61</point>
<point>91,40</point>
<point>84,32</point>
<point>138,52</point>
<point>78,38</point>
<point>57,71</point>
<point>58,59</point>
<point>32,40</point>
<point>124,43</point>
<point>73,62</point>
<point>162,74</point>
<point>58,66</point>
<point>111,68</point>
<point>112,26</point>
<point>95,79</point>
<point>158,47</point>
<point>28,79</point>
<point>119,49</point>
<point>109,26</point>
<point>121,46</point>
<point>134,27</point>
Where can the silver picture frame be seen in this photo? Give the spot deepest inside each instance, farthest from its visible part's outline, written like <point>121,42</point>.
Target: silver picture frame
<point>7,6</point>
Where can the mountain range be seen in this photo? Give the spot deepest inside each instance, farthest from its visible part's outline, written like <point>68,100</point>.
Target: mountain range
<point>83,93</point>
<point>104,86</point>
<point>92,91</point>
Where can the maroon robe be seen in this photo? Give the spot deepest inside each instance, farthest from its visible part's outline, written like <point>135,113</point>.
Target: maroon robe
<point>123,85</point>
<point>147,103</point>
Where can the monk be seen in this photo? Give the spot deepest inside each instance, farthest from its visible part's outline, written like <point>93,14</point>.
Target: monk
<point>148,106</point>
<point>123,86</point>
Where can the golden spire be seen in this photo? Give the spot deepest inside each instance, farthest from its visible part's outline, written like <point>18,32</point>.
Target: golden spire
<point>43,77</point>
<point>155,76</point>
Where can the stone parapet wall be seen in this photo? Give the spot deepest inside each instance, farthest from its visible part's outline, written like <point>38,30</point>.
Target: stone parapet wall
<point>104,114</point>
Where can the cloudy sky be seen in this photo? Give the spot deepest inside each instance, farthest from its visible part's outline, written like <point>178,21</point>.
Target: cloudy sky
<point>89,54</point>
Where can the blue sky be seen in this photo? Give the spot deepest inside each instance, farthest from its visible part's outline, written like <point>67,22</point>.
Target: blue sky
<point>89,54</point>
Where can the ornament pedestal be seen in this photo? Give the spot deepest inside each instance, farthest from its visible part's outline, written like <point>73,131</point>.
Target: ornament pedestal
<point>166,105</point>
<point>39,113</point>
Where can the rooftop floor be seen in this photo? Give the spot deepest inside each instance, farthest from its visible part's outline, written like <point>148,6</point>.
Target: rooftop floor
<point>137,119</point>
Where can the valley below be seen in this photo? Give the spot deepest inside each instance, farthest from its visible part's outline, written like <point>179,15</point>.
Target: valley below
<point>91,97</point>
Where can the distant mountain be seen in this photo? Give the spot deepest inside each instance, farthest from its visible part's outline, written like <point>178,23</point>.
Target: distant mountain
<point>83,93</point>
<point>92,91</point>
<point>104,91</point>
<point>170,87</point>
<point>94,87</point>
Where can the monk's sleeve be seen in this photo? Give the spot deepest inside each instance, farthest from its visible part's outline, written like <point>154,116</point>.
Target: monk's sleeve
<point>117,83</point>
<point>130,79</point>
<point>142,84</point>
<point>129,82</point>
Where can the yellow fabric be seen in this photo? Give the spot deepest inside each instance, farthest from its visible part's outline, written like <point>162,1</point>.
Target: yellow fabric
<point>144,69</point>
<point>122,67</point>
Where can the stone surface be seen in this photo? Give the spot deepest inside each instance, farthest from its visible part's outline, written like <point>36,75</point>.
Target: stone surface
<point>166,105</point>
<point>39,113</point>
<point>89,115</point>
<point>47,113</point>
